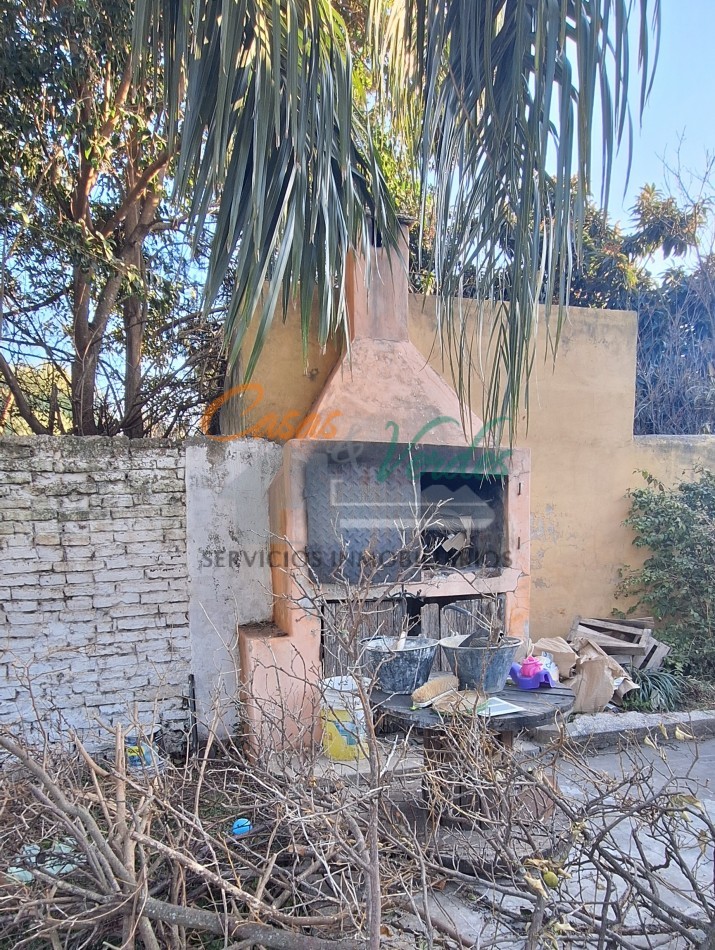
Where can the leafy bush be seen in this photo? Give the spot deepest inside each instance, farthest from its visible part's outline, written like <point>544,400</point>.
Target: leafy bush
<point>677,581</point>
<point>660,691</point>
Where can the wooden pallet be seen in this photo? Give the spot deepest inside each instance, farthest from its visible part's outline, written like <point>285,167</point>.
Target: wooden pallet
<point>629,641</point>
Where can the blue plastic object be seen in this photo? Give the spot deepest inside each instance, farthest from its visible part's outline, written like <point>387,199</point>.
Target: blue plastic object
<point>542,678</point>
<point>241,826</point>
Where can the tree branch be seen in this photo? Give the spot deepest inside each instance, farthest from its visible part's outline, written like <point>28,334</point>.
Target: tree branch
<point>108,296</point>
<point>135,192</point>
<point>33,308</point>
<point>23,406</point>
<point>88,170</point>
<point>221,924</point>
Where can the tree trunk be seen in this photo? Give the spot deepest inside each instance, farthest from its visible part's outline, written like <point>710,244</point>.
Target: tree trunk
<point>89,335</point>
<point>84,384</point>
<point>134,322</point>
<point>133,310</point>
<point>84,364</point>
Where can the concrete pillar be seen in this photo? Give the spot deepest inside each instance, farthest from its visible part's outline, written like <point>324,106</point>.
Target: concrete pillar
<point>228,563</point>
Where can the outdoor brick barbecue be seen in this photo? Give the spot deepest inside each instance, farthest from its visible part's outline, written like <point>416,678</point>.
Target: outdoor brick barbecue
<point>397,449</point>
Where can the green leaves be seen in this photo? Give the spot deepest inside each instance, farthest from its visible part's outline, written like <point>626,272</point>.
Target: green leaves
<point>659,691</point>
<point>677,580</point>
<point>82,166</point>
<point>269,130</point>
<point>510,94</point>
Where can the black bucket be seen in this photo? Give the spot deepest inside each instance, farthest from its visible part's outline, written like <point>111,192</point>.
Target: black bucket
<point>481,667</point>
<point>399,671</point>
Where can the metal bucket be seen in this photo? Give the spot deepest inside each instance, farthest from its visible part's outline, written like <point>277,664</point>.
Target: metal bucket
<point>399,671</point>
<point>480,667</point>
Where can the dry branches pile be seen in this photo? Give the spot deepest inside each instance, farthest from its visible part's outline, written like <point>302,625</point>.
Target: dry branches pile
<point>150,861</point>
<point>572,857</point>
<point>549,852</point>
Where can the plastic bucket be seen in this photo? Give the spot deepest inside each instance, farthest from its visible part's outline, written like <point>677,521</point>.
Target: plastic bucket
<point>343,719</point>
<point>485,668</point>
<point>399,671</point>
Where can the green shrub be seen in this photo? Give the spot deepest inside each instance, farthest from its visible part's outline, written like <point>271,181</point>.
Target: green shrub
<point>660,691</point>
<point>677,582</point>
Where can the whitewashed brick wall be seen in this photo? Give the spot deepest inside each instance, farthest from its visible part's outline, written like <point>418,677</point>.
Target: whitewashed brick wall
<point>94,592</point>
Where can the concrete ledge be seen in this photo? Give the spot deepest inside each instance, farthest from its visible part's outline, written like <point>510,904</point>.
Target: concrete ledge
<point>606,730</point>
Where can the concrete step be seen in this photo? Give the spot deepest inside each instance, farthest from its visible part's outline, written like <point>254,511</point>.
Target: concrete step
<point>606,730</point>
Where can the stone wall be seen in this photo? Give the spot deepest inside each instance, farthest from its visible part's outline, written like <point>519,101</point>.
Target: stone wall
<point>125,567</point>
<point>94,588</point>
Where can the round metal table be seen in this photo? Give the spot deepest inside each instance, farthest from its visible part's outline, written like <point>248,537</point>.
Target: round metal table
<point>461,811</point>
<point>539,706</point>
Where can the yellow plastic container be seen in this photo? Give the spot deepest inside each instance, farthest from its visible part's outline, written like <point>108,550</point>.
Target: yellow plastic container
<point>343,719</point>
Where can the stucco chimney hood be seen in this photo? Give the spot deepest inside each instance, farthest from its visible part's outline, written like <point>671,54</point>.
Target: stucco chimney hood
<point>383,390</point>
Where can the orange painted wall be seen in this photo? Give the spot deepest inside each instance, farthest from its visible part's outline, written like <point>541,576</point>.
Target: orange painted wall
<point>584,456</point>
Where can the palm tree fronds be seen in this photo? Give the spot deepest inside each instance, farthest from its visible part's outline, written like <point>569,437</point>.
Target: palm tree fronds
<point>508,91</point>
<point>269,128</point>
<point>499,98</point>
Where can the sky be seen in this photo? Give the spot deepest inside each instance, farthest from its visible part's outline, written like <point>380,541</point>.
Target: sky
<point>681,105</point>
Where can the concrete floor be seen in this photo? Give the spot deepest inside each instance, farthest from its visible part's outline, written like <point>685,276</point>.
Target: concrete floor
<point>685,765</point>
<point>694,760</point>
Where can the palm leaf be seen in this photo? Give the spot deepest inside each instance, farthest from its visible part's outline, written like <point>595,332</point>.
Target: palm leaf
<point>510,92</point>
<point>500,98</point>
<point>269,130</point>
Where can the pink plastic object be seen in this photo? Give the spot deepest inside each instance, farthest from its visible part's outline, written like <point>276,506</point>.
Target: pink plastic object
<point>531,665</point>
<point>530,675</point>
